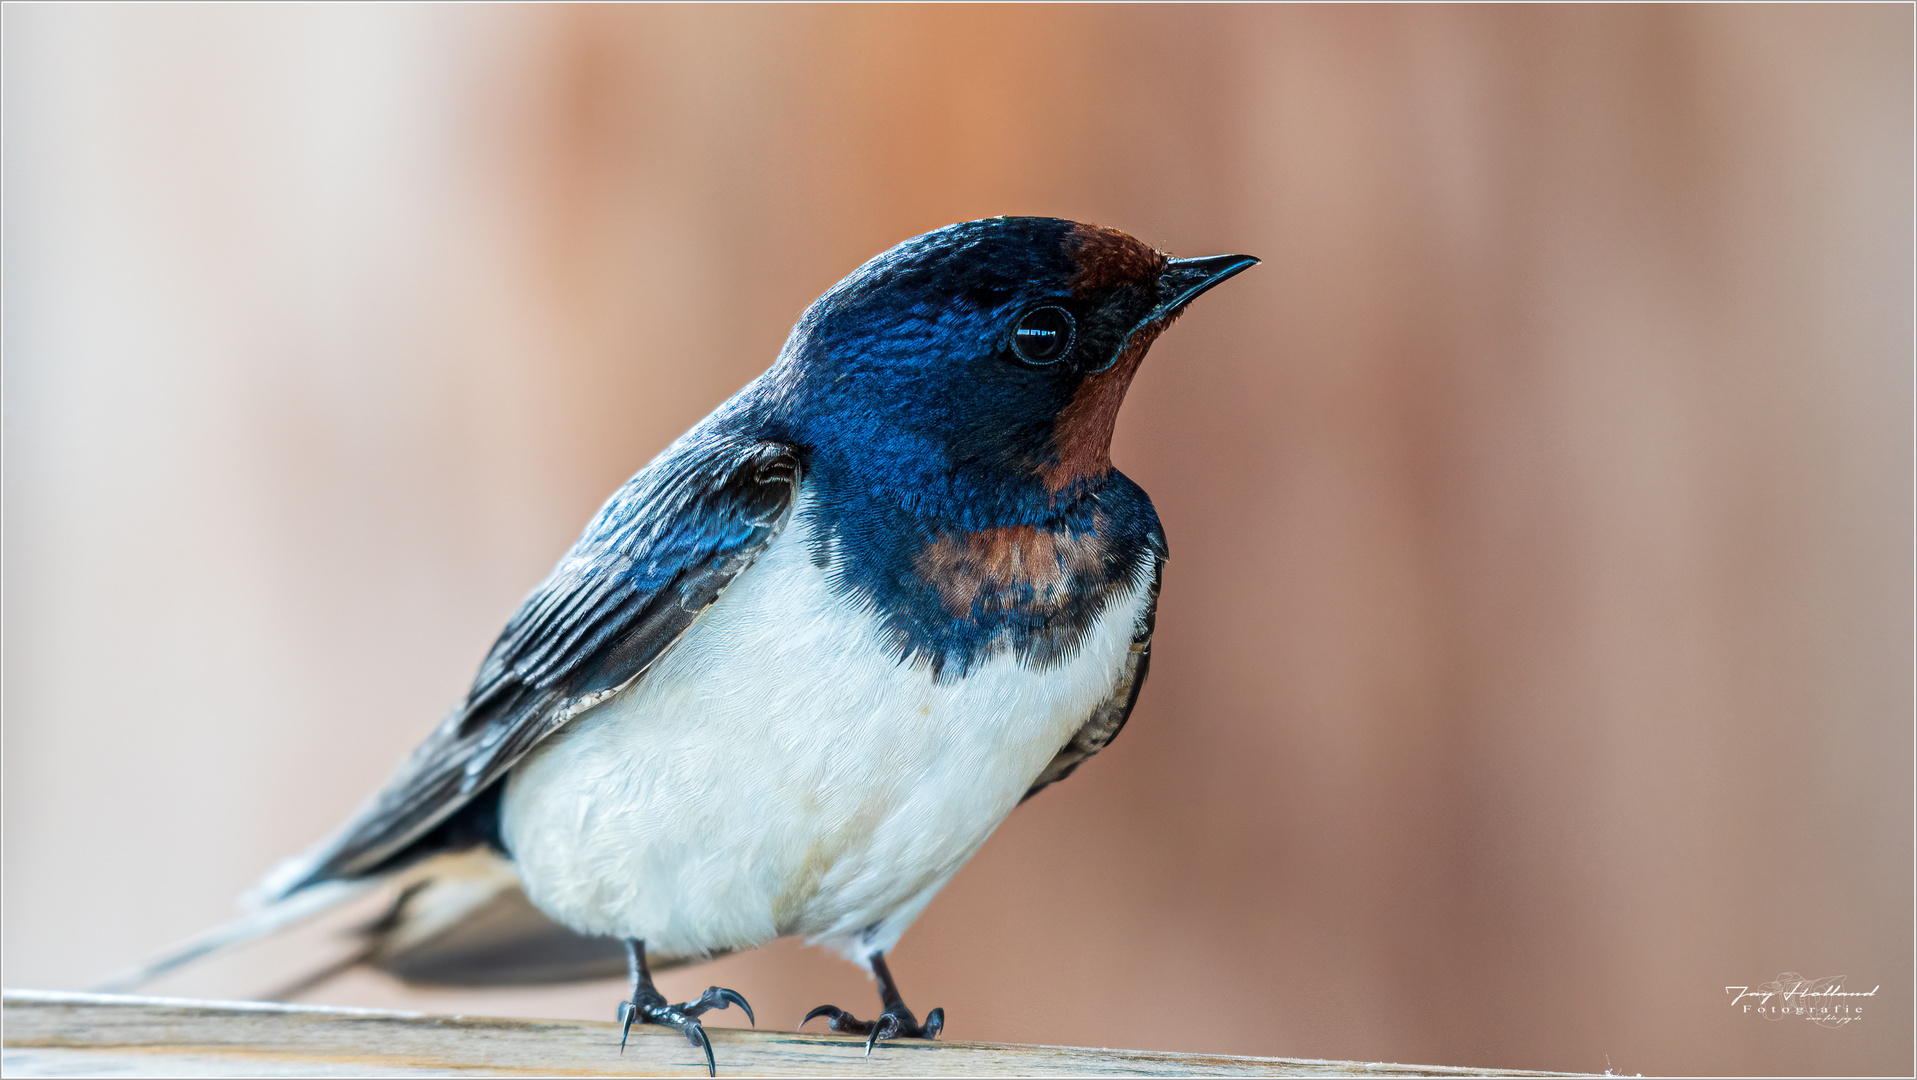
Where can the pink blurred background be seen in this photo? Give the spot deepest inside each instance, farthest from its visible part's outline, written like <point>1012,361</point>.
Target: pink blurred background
<point>1535,655</point>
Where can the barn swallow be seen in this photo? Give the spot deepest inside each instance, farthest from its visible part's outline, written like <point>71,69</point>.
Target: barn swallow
<point>801,665</point>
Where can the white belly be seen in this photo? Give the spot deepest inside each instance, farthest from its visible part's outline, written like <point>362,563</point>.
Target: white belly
<point>777,773</point>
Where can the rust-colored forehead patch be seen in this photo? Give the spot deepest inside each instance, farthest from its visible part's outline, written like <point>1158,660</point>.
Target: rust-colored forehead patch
<point>1107,257</point>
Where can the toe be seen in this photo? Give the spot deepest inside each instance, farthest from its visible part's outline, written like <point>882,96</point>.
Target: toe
<point>838,1020</point>
<point>718,997</point>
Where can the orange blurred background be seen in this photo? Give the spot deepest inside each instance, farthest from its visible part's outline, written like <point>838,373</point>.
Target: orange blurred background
<point>1535,655</point>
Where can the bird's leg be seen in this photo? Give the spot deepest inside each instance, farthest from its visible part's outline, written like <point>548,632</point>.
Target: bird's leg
<point>894,1022</point>
<point>648,1006</point>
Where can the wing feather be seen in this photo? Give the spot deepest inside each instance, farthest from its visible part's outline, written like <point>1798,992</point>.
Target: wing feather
<point>661,550</point>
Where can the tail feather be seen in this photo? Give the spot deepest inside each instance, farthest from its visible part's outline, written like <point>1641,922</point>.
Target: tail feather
<point>320,976</point>
<point>458,919</point>
<point>483,931</point>
<point>273,917</point>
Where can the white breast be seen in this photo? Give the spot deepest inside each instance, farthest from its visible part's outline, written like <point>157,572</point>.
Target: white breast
<point>776,773</point>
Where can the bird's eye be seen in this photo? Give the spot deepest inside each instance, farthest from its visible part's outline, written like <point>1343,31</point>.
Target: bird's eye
<point>1043,335</point>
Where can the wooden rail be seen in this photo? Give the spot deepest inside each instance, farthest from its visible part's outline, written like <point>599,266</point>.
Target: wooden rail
<point>69,1034</point>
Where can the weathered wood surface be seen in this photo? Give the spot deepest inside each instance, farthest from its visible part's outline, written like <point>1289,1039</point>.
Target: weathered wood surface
<point>69,1034</point>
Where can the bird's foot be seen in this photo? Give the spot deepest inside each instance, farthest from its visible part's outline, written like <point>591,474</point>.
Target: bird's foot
<point>896,1022</point>
<point>649,1007</point>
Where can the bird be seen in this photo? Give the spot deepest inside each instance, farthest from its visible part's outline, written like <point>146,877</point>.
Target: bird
<point>798,668</point>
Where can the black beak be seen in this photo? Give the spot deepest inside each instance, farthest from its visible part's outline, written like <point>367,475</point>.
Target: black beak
<point>1184,279</point>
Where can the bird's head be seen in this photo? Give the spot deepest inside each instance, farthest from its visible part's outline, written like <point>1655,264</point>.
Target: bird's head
<point>994,351</point>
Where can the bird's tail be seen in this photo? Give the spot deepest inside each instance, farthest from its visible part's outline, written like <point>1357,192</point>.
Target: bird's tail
<point>458,919</point>
<point>266,919</point>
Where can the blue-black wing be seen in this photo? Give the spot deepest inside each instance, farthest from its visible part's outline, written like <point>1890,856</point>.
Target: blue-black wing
<point>657,554</point>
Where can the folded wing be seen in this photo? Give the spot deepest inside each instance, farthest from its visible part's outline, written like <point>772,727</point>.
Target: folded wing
<point>661,550</point>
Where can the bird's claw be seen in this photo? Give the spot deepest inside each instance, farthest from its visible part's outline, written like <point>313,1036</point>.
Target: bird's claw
<point>683,1017</point>
<point>696,1035</point>
<point>895,1023</point>
<point>718,997</point>
<point>834,1014</point>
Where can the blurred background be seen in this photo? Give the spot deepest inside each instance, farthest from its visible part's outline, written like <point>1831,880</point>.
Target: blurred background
<point>1535,655</point>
